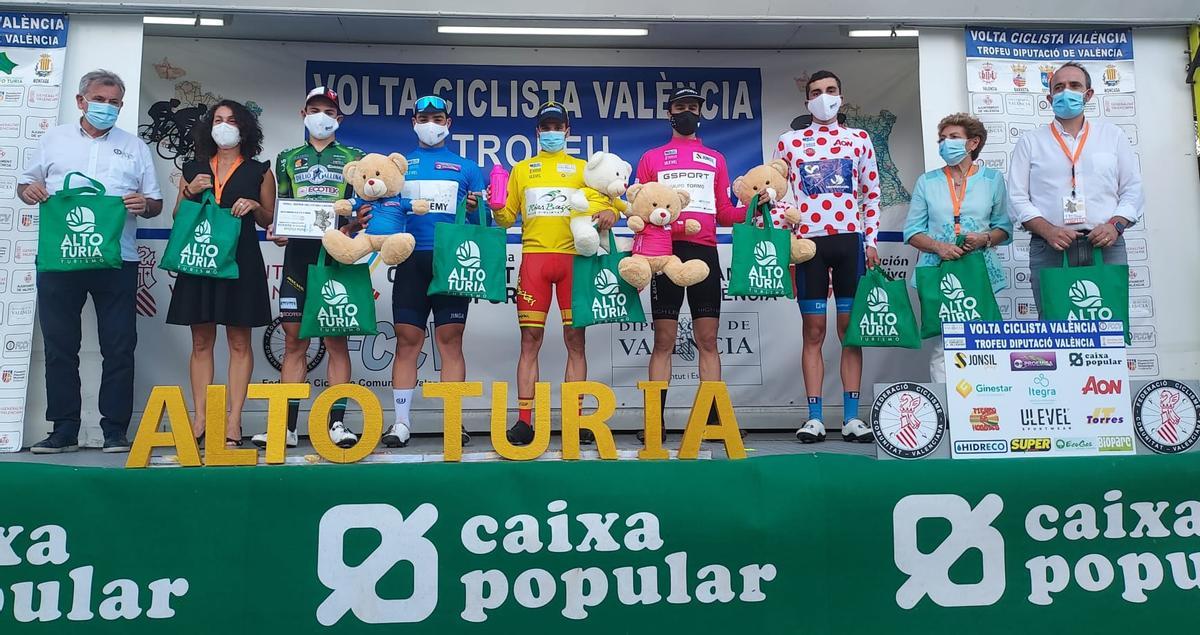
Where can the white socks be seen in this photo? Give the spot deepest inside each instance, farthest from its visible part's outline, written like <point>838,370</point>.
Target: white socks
<point>402,399</point>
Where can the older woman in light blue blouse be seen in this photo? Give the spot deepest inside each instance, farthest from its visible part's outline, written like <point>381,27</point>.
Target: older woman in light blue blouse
<point>983,219</point>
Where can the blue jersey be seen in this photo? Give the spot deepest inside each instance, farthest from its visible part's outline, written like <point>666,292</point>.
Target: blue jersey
<point>390,215</point>
<point>442,178</point>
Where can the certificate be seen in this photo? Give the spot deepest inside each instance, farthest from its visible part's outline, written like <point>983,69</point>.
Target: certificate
<point>296,218</point>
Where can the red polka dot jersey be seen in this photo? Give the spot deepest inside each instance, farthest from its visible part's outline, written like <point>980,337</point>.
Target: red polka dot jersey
<point>833,180</point>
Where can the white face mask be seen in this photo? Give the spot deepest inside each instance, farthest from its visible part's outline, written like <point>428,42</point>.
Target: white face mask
<point>825,106</point>
<point>226,135</point>
<point>430,133</point>
<point>320,125</point>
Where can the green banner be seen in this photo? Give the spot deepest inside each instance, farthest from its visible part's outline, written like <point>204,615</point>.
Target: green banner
<point>788,544</point>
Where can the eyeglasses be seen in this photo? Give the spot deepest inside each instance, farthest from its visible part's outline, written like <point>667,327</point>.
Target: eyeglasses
<point>432,102</point>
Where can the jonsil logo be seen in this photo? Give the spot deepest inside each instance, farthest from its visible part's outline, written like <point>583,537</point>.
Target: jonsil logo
<point>957,306</point>
<point>1104,530</point>
<point>610,303</point>
<point>1085,295</point>
<point>469,276</point>
<point>766,275</point>
<point>201,253</point>
<point>338,312</point>
<point>83,242</point>
<point>86,596</point>
<point>879,321</point>
<point>353,589</point>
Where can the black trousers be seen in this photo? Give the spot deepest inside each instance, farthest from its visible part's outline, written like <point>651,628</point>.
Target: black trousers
<point>61,296</point>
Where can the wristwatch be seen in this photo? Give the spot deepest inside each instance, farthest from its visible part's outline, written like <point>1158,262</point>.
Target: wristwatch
<point>1120,225</point>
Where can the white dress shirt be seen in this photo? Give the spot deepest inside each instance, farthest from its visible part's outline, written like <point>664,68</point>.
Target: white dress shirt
<point>119,160</point>
<point>1107,177</point>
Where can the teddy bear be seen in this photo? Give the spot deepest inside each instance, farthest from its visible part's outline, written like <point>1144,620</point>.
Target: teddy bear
<point>653,213</point>
<point>377,181</point>
<point>607,174</point>
<point>769,182</point>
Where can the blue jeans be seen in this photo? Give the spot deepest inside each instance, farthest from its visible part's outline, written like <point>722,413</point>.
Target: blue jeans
<point>61,296</point>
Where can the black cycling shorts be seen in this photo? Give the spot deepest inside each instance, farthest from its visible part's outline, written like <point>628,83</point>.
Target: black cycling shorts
<point>840,262</point>
<point>411,302</point>
<point>703,298</point>
<point>297,256</point>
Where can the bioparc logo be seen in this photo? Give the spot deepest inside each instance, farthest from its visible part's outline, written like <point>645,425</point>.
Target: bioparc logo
<point>1124,541</point>
<point>469,276</point>
<point>766,275</point>
<point>575,590</point>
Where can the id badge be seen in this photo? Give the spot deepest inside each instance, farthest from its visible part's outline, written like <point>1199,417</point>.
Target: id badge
<point>1074,210</point>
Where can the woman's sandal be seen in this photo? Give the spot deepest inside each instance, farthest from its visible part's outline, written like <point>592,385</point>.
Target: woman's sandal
<point>233,443</point>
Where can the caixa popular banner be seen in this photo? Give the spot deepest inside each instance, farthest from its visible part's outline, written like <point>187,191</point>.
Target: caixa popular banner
<point>1098,545</point>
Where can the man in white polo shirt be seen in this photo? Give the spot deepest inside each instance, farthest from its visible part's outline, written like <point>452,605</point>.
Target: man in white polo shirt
<point>1074,184</point>
<point>123,164</point>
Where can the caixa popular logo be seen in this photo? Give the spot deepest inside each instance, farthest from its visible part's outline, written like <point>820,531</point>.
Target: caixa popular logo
<point>488,544</point>
<point>1101,526</point>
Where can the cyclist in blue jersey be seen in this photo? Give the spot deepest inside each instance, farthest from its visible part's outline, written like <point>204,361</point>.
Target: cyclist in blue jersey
<point>444,179</point>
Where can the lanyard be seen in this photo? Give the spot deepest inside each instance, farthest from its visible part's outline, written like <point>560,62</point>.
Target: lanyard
<point>1074,159</point>
<point>957,197</point>
<point>219,183</point>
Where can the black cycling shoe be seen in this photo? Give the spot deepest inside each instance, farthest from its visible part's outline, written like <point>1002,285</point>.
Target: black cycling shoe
<point>521,433</point>
<point>586,437</point>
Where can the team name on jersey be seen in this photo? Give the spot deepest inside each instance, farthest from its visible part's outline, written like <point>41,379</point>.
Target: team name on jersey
<point>442,165</point>
<point>548,201</point>
<point>699,184</point>
<point>706,159</point>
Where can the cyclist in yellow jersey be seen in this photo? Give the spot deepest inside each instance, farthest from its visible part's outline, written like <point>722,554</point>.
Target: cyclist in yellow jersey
<point>538,191</point>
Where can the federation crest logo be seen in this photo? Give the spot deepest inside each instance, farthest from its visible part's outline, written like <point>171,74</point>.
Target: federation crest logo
<point>987,73</point>
<point>908,421</point>
<point>1112,76</point>
<point>1164,416</point>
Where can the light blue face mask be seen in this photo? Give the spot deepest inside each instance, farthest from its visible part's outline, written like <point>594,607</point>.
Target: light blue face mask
<point>1068,104</point>
<point>552,140</point>
<point>953,151</point>
<point>102,115</point>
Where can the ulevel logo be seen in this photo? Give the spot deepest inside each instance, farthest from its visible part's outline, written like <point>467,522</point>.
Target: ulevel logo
<point>338,312</point>
<point>879,322</point>
<point>1106,524</point>
<point>766,276</point>
<point>1085,295</point>
<point>354,589</point>
<point>201,253</point>
<point>83,242</point>
<point>469,276</point>
<point>609,303</point>
<point>957,306</point>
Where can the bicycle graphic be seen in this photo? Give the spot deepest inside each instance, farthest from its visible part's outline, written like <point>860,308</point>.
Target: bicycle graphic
<point>170,130</point>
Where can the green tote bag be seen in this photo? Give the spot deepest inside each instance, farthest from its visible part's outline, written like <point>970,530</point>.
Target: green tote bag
<point>761,258</point>
<point>203,240</point>
<point>1097,292</point>
<point>469,260</point>
<point>80,228</point>
<point>339,300</point>
<point>956,291</point>
<point>598,294</point>
<point>882,315</point>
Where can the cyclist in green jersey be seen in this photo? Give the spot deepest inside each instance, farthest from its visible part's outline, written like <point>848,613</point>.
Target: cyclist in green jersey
<point>312,171</point>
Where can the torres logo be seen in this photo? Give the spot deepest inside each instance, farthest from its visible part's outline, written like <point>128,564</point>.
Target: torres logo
<point>957,305</point>
<point>767,275</point>
<point>1085,295</point>
<point>879,321</point>
<point>610,303</point>
<point>83,242</point>
<point>201,253</point>
<point>469,276</point>
<point>338,312</point>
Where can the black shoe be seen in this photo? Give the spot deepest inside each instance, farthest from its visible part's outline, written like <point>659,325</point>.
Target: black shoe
<point>55,445</point>
<point>586,437</point>
<point>520,433</point>
<point>466,438</point>
<point>115,444</point>
<point>396,436</point>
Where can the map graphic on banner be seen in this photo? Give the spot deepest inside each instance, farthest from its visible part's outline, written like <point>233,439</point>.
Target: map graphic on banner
<point>32,50</point>
<point>1008,84</point>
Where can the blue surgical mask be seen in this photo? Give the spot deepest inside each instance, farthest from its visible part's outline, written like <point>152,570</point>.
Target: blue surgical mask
<point>102,115</point>
<point>953,151</point>
<point>1068,104</point>
<point>552,140</point>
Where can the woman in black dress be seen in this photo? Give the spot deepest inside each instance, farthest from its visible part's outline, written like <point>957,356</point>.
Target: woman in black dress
<point>227,141</point>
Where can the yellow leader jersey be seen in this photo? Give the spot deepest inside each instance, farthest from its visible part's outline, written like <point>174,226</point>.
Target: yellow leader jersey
<point>539,190</point>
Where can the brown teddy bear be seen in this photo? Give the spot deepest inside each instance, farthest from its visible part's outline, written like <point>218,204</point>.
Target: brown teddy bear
<point>377,181</point>
<point>769,182</point>
<point>653,215</point>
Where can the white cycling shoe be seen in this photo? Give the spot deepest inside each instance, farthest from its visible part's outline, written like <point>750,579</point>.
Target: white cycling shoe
<point>396,436</point>
<point>342,437</point>
<point>260,440</point>
<point>857,431</point>
<point>813,431</point>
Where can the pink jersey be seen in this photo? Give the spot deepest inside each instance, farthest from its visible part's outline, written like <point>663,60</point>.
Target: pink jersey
<point>686,164</point>
<point>655,240</point>
<point>833,179</point>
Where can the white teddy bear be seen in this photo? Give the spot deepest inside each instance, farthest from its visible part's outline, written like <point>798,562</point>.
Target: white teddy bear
<point>607,174</point>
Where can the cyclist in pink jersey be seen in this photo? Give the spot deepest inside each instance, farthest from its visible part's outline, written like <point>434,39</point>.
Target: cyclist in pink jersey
<point>685,163</point>
<point>834,181</point>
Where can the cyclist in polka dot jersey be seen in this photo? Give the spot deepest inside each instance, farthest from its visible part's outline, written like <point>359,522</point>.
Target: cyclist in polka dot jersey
<point>833,180</point>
